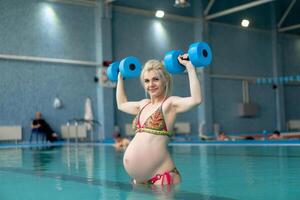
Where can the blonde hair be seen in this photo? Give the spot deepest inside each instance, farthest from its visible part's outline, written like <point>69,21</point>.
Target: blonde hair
<point>158,67</point>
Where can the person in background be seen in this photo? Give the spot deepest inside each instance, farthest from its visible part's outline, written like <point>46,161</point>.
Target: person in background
<point>41,125</point>
<point>275,135</point>
<point>120,142</point>
<point>222,136</point>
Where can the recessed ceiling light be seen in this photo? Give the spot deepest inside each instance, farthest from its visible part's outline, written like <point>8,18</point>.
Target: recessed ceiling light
<point>245,22</point>
<point>160,14</point>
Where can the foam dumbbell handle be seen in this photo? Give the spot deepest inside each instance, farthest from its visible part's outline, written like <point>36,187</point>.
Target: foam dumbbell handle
<point>130,67</point>
<point>200,54</point>
<point>171,62</point>
<point>112,71</point>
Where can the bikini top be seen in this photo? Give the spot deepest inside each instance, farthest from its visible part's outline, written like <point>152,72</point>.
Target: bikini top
<point>155,124</point>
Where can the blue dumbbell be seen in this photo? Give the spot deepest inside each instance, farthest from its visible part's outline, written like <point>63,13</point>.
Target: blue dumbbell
<point>129,67</point>
<point>199,54</point>
<point>112,71</point>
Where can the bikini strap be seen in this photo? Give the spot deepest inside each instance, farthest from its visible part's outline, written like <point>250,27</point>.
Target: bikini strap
<point>161,110</point>
<point>145,106</point>
<point>138,117</point>
<point>163,102</point>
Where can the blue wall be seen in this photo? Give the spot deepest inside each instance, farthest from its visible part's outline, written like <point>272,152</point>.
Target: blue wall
<point>247,55</point>
<point>291,66</point>
<point>51,30</point>
<point>41,28</point>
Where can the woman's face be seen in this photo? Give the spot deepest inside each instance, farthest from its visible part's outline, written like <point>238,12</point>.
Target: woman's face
<point>153,84</point>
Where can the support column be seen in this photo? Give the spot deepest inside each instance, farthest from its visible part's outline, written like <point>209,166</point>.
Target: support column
<point>205,122</point>
<point>105,95</point>
<point>277,71</point>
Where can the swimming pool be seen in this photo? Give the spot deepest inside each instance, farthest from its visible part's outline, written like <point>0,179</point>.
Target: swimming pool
<point>91,172</point>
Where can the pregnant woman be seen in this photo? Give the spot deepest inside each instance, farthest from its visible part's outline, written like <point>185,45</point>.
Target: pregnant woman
<point>147,159</point>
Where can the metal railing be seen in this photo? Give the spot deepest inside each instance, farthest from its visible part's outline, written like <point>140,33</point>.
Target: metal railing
<point>76,122</point>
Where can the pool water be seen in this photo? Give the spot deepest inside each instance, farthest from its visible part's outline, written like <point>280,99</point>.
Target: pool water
<point>94,172</point>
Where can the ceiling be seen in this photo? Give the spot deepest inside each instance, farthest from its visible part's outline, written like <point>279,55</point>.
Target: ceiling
<point>263,14</point>
<point>283,15</point>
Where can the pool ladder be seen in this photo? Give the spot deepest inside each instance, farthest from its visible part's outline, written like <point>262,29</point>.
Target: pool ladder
<point>76,123</point>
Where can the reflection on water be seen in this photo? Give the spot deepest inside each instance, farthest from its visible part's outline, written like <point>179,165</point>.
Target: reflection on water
<point>11,157</point>
<point>168,193</point>
<point>77,157</point>
<point>42,157</point>
<point>72,158</point>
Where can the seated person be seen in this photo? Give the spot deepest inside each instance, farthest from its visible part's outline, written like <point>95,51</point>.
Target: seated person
<point>121,143</point>
<point>275,135</point>
<point>222,136</point>
<point>42,126</point>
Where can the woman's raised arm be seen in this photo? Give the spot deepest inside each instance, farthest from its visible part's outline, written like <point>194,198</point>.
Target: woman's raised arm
<point>183,104</point>
<point>130,107</point>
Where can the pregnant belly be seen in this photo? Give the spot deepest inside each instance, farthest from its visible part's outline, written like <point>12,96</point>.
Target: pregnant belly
<point>145,154</point>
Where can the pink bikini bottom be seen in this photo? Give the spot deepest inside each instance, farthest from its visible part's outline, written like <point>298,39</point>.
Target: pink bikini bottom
<point>165,177</point>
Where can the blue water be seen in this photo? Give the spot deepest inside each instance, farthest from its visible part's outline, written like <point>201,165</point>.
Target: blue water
<point>94,172</point>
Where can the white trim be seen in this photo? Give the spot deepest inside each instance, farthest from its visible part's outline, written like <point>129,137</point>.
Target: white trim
<point>208,7</point>
<point>237,9</point>
<point>286,13</point>
<point>289,28</point>
<point>47,60</point>
<point>245,89</point>
<point>233,77</point>
<point>76,2</point>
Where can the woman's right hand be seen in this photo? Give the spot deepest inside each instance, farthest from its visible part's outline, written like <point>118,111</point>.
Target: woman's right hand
<point>183,59</point>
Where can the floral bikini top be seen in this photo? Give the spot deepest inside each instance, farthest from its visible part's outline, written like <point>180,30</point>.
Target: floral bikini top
<point>155,124</point>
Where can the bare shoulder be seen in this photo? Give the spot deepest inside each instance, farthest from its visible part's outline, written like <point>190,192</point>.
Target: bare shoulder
<point>132,107</point>
<point>169,102</point>
<point>172,100</point>
<point>180,104</point>
<point>143,102</point>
